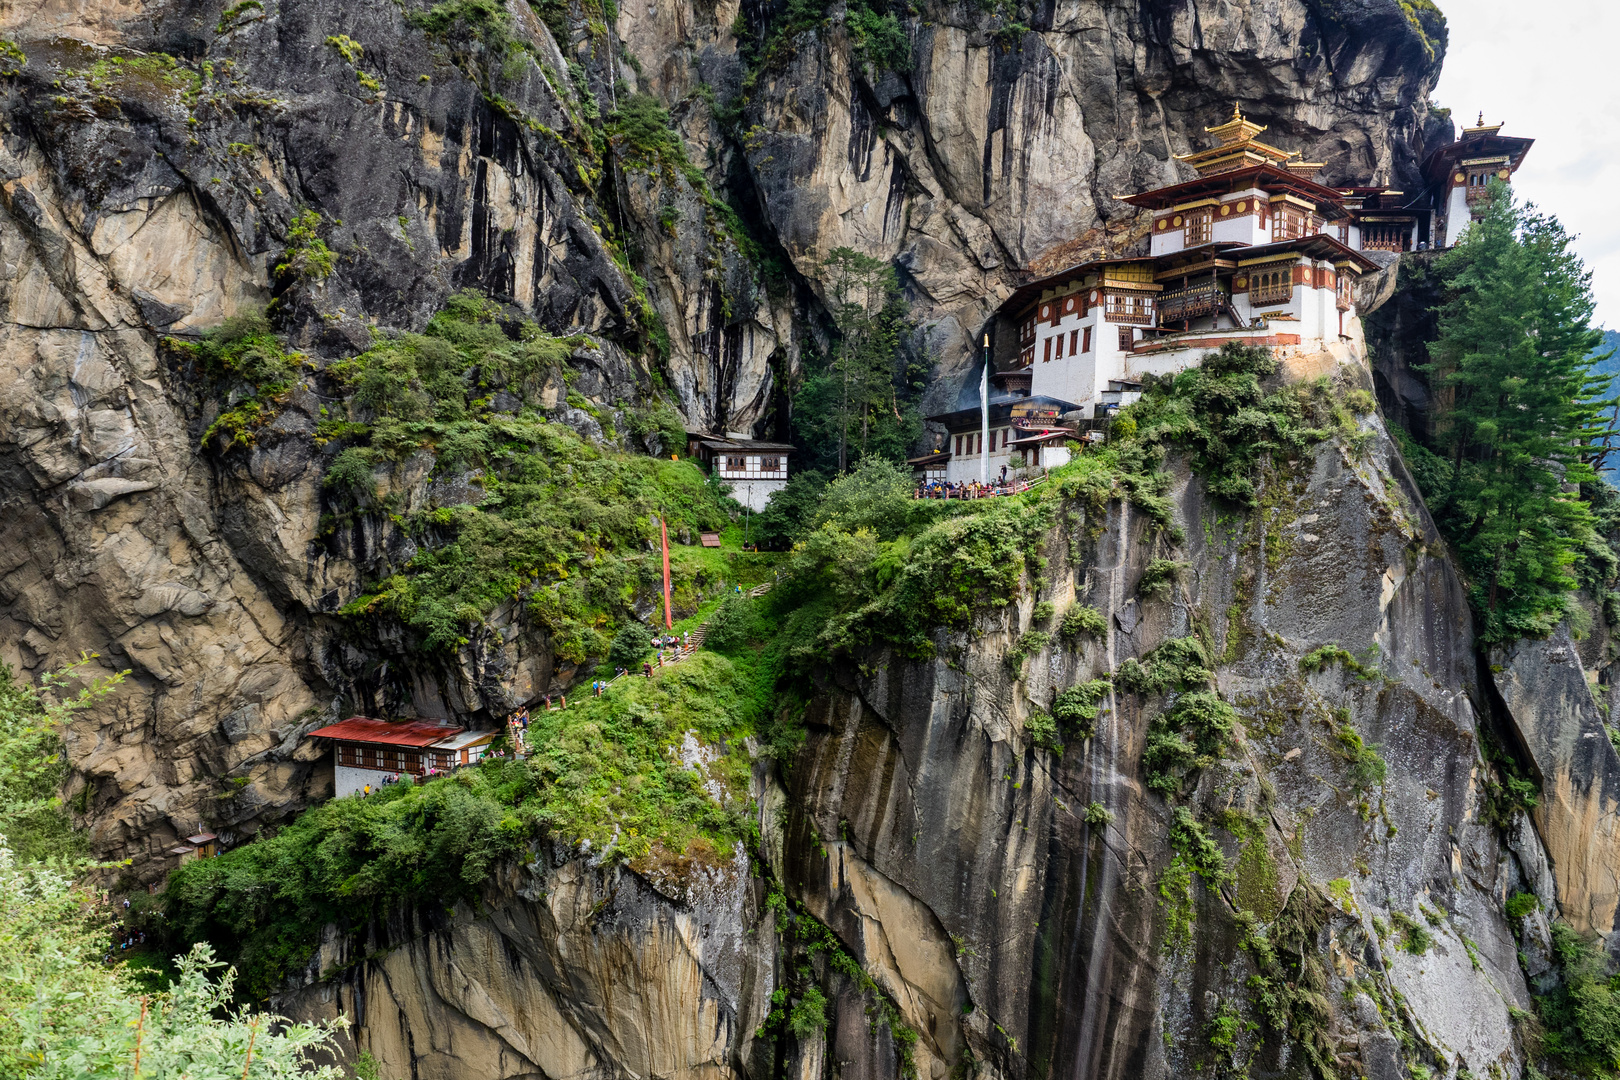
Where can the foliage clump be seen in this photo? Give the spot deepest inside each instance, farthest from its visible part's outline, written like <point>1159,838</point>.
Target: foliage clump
<point>1366,765</point>
<point>630,644</point>
<point>863,397</point>
<point>603,777</point>
<point>1028,644</point>
<point>65,1013</point>
<point>254,367</point>
<point>1414,936</point>
<point>1521,904</point>
<point>1581,1016</point>
<point>1174,665</point>
<point>882,567</point>
<point>564,528</point>
<point>1043,731</point>
<point>1221,414</point>
<point>307,258</point>
<point>1080,620</point>
<point>1160,576</point>
<point>641,131</point>
<point>1191,735</point>
<point>12,59</point>
<point>1077,706</point>
<point>33,760</point>
<point>1326,655</point>
<point>1521,422</point>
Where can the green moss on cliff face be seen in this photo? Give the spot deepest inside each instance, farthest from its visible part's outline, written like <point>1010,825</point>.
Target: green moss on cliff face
<point>253,370</point>
<point>544,519</point>
<point>900,569</point>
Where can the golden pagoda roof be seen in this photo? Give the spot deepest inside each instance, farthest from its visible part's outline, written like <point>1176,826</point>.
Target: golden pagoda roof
<point>1236,149</point>
<point>1482,128</point>
<point>1236,129</point>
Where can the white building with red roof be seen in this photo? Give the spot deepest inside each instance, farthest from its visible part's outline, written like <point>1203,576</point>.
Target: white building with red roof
<point>366,751</point>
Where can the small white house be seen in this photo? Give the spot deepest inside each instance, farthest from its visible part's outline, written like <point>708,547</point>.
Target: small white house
<point>753,470</point>
<point>366,751</point>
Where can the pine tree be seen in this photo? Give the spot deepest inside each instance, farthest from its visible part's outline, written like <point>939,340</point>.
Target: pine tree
<point>863,400</point>
<point>1521,414</point>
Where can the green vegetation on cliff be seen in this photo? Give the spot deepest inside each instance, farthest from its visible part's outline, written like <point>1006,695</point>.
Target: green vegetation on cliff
<point>862,398</point>
<point>521,509</point>
<point>1521,419</point>
<point>652,773</point>
<point>873,566</point>
<point>36,825</point>
<point>66,1013</point>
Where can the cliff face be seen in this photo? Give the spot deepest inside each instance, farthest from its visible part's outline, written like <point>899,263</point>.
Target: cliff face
<point>1010,903</point>
<point>156,158</point>
<point>159,162</point>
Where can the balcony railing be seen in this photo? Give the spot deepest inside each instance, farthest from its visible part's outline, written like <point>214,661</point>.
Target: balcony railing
<point>1191,302</point>
<point>1131,308</point>
<point>1384,238</point>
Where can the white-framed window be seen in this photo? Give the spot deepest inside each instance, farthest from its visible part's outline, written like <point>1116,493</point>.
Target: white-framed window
<point>1198,224</point>
<point>1288,222</point>
<point>1135,308</point>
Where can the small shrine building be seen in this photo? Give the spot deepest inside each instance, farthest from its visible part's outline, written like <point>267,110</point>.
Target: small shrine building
<point>753,470</point>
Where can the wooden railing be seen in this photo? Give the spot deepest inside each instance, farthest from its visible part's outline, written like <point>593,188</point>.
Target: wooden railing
<point>1385,238</point>
<point>1190,302</point>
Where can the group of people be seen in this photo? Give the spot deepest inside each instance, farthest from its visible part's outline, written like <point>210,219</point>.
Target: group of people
<point>390,778</point>
<point>967,489</point>
<point>124,938</point>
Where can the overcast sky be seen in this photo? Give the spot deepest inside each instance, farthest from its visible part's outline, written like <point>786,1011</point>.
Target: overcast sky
<point>1551,72</point>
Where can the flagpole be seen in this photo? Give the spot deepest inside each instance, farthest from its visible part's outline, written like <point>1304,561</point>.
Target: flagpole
<point>984,416</point>
<point>663,533</point>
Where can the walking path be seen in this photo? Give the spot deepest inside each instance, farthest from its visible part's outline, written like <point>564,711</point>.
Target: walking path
<point>696,642</point>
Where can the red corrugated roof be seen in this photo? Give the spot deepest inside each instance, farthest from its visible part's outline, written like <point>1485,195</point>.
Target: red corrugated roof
<point>396,733</point>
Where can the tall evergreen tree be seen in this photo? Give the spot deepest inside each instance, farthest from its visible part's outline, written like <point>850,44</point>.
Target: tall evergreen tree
<point>1521,413</point>
<point>863,399</point>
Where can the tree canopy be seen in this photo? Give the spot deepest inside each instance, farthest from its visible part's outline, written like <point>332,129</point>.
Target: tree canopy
<point>863,398</point>
<point>1520,415</point>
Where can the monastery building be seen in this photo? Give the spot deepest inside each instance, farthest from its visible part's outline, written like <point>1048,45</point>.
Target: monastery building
<point>1253,250</point>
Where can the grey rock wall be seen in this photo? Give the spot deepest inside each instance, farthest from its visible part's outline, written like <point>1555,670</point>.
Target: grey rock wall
<point>154,154</point>
<point>1014,929</point>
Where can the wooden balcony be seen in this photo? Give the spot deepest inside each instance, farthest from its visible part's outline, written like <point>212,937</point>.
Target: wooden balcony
<point>1385,238</point>
<point>1191,302</point>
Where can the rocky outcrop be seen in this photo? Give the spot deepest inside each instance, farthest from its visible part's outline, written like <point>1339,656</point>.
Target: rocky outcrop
<point>1556,721</point>
<point>928,772</point>
<point>1399,324</point>
<point>570,971</point>
<point>1009,902</point>
<point>110,540</point>
<point>155,157</point>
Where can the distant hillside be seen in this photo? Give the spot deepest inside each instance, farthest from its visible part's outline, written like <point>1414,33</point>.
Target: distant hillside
<point>1611,366</point>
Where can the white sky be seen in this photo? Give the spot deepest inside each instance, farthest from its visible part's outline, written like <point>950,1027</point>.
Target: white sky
<point>1550,70</point>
